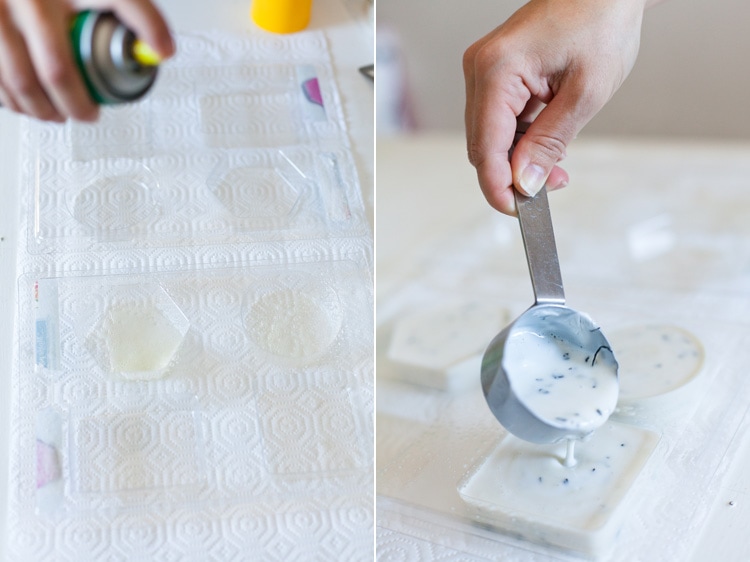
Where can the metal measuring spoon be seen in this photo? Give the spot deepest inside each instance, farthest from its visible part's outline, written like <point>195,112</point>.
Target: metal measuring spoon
<point>551,374</point>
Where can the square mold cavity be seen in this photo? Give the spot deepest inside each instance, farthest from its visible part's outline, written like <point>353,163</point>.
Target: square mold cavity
<point>138,445</point>
<point>263,107</point>
<point>309,424</point>
<point>240,119</point>
<point>524,490</point>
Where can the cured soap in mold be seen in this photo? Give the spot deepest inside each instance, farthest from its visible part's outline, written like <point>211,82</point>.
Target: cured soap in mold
<point>441,347</point>
<point>655,359</point>
<point>525,489</point>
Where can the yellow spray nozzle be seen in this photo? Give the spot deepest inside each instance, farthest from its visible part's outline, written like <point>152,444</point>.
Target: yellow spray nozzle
<point>144,54</point>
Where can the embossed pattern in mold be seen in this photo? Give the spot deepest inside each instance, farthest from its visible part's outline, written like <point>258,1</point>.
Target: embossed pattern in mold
<point>308,425</point>
<point>155,448</point>
<point>117,202</point>
<point>249,193</point>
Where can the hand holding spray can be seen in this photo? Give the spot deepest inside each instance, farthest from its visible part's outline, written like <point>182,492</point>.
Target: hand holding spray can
<point>115,65</point>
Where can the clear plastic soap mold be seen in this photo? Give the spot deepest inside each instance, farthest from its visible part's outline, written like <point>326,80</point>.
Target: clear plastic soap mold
<point>231,146</point>
<point>193,370</point>
<point>118,204</point>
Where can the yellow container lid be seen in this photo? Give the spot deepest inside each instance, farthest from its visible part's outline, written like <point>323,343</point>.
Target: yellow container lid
<point>281,16</point>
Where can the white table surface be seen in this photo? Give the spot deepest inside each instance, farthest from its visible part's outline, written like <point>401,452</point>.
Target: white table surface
<point>348,26</point>
<point>426,190</point>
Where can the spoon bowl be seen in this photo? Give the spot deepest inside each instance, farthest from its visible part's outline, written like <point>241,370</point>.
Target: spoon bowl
<point>550,375</point>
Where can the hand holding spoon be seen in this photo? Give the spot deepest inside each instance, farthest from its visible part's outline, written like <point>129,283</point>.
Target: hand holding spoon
<point>551,374</point>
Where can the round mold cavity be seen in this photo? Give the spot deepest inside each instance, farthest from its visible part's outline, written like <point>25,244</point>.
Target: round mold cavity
<point>293,316</point>
<point>117,202</point>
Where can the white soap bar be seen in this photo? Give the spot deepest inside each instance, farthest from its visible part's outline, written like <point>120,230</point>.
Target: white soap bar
<point>523,489</point>
<point>428,347</point>
<point>659,373</point>
<point>655,359</point>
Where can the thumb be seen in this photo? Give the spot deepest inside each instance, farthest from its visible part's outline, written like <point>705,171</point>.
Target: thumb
<point>546,141</point>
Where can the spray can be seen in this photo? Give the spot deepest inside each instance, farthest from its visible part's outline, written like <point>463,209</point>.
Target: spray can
<point>116,67</point>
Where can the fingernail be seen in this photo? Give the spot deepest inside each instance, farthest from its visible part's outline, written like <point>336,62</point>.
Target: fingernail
<point>532,179</point>
<point>560,185</point>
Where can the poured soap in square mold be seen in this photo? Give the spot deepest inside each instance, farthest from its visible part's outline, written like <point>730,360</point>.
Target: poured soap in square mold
<point>524,490</point>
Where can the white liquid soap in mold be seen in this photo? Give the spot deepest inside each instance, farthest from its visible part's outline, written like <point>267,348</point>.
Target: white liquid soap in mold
<point>525,490</point>
<point>563,385</point>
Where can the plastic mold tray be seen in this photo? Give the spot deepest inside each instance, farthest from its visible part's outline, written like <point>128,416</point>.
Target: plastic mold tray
<point>193,376</point>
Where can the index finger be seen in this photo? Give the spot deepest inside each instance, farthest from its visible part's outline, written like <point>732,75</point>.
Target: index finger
<point>493,129</point>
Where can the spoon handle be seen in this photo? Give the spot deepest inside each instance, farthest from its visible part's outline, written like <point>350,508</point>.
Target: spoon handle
<point>539,241</point>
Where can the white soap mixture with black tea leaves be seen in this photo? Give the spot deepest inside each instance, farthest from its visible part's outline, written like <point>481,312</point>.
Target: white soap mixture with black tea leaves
<point>561,383</point>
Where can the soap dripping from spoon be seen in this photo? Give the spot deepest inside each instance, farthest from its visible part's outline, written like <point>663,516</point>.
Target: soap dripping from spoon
<point>570,454</point>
